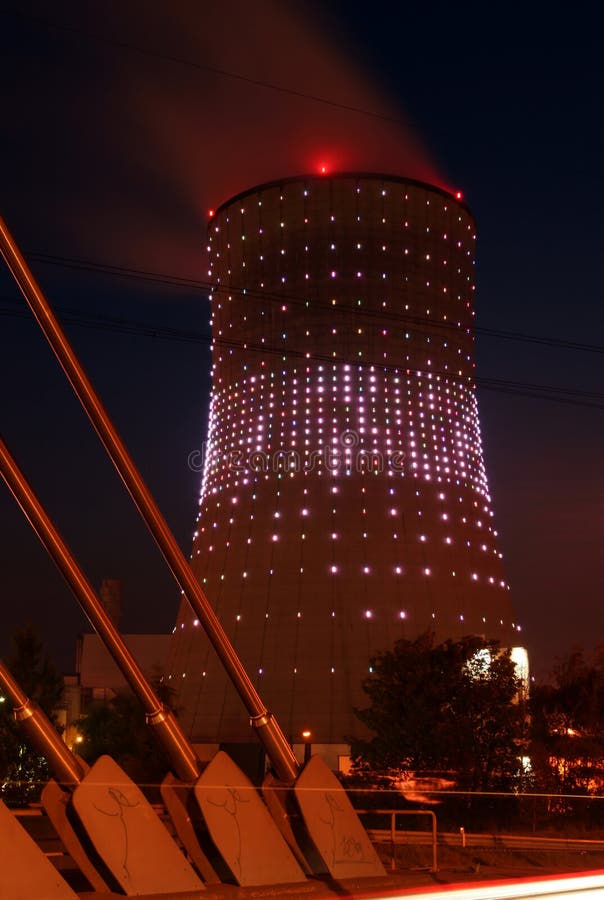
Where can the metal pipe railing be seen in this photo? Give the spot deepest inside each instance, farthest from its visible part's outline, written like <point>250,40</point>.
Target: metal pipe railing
<point>393,813</point>
<point>264,723</point>
<point>44,737</point>
<point>179,751</point>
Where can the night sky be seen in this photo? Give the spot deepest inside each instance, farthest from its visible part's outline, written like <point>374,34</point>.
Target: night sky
<point>121,127</point>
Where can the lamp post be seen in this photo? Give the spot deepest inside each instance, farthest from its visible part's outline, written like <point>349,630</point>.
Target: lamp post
<point>307,735</point>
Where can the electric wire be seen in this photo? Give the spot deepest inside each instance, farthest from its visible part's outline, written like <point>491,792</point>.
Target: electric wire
<point>284,297</point>
<point>572,396</point>
<point>201,67</point>
<point>192,283</point>
<point>421,325</point>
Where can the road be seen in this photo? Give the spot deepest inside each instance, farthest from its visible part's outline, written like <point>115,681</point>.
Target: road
<point>588,885</point>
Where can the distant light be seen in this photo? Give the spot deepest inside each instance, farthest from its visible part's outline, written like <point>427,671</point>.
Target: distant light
<point>211,213</point>
<point>323,169</point>
<point>458,195</point>
<point>306,734</point>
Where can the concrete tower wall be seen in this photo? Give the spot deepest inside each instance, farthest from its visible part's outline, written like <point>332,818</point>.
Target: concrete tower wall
<point>344,501</point>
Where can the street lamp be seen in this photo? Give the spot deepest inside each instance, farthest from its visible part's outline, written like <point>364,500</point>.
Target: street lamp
<point>306,736</point>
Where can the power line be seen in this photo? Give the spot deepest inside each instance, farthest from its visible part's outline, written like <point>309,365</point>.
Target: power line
<point>201,67</point>
<point>101,322</point>
<point>174,280</point>
<point>571,396</point>
<point>537,391</point>
<point>202,285</point>
<point>194,284</point>
<point>89,265</point>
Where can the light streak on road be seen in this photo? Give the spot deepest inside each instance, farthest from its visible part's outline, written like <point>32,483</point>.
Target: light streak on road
<point>575,886</point>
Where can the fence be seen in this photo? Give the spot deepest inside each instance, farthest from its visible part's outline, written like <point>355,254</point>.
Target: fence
<point>393,813</point>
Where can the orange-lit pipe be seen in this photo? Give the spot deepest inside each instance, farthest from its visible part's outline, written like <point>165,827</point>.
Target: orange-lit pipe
<point>42,735</point>
<point>264,723</point>
<point>180,753</point>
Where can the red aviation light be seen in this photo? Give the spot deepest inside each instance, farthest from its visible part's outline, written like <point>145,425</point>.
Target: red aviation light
<point>458,195</point>
<point>211,213</point>
<point>323,169</point>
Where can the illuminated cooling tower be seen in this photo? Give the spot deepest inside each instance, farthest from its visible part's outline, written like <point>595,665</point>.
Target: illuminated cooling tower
<point>344,500</point>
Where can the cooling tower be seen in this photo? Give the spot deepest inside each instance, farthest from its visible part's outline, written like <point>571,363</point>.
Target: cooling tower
<point>344,500</point>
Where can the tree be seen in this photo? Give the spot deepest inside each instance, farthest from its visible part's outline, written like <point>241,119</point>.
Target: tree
<point>567,726</point>
<point>451,707</point>
<point>23,772</point>
<point>118,727</point>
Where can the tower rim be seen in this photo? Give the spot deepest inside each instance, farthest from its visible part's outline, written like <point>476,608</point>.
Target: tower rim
<point>336,176</point>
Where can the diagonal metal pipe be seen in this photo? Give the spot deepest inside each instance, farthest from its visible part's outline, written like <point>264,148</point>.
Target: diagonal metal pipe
<point>180,753</point>
<point>264,723</point>
<point>41,733</point>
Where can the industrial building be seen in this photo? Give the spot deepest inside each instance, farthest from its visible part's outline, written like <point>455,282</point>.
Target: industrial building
<point>344,499</point>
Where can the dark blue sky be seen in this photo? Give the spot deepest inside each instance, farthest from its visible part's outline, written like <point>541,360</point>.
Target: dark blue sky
<point>113,155</point>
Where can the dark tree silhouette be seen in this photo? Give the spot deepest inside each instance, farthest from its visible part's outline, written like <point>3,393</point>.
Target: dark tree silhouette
<point>451,707</point>
<point>23,772</point>
<point>117,727</point>
<point>567,726</point>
